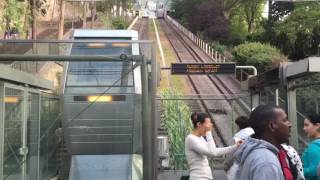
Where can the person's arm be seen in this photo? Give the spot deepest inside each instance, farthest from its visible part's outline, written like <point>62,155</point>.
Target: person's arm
<point>266,171</point>
<point>313,155</point>
<point>209,148</point>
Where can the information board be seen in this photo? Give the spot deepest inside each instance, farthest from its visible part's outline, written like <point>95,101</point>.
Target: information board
<point>202,68</point>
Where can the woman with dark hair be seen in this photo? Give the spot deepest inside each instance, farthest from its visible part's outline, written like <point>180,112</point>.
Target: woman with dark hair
<point>311,155</point>
<point>199,149</point>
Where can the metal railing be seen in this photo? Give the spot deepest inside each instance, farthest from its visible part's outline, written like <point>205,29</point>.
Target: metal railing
<point>210,51</point>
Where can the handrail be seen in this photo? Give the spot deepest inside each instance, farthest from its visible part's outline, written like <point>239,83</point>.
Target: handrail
<point>210,51</point>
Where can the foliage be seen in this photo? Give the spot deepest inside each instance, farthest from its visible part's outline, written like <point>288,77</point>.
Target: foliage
<point>181,10</point>
<point>107,5</point>
<point>238,27</point>
<point>176,120</point>
<point>252,10</point>
<point>119,23</point>
<point>296,32</point>
<point>262,56</point>
<point>13,13</point>
<point>308,100</point>
<point>208,18</point>
<point>299,34</point>
<point>278,10</point>
<point>218,47</point>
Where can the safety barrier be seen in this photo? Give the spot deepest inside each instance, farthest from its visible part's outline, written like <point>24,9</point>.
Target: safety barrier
<point>215,55</point>
<point>133,22</point>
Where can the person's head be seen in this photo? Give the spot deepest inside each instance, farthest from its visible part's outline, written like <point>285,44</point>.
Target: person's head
<point>270,123</point>
<point>242,122</point>
<point>311,125</point>
<point>201,122</point>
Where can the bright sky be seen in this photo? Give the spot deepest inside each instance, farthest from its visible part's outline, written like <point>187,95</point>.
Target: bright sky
<point>266,9</point>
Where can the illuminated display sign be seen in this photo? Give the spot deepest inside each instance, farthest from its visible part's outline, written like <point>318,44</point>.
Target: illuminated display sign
<point>203,68</point>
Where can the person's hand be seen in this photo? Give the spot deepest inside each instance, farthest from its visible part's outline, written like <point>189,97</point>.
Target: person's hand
<point>208,127</point>
<point>238,143</point>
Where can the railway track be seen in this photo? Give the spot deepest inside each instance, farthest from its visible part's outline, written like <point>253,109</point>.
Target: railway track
<point>221,84</point>
<point>142,26</point>
<point>178,48</point>
<point>144,29</point>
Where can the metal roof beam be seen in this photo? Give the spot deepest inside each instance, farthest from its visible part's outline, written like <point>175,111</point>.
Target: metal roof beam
<point>19,77</point>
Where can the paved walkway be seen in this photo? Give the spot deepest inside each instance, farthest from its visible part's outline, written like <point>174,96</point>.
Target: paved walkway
<point>173,175</point>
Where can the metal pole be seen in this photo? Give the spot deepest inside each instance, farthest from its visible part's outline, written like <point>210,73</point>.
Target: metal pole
<point>255,71</point>
<point>10,57</point>
<point>2,95</point>
<point>23,150</point>
<point>153,114</point>
<point>277,97</point>
<point>292,114</point>
<point>232,118</point>
<point>146,128</point>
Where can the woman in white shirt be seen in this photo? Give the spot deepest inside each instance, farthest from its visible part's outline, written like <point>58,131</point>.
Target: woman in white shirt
<point>199,149</point>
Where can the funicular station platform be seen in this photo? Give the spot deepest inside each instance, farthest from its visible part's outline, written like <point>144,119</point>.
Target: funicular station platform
<point>101,117</point>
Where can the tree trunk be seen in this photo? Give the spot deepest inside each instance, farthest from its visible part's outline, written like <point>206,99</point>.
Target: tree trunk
<point>93,14</point>
<point>61,23</point>
<point>84,25</point>
<point>226,14</point>
<point>53,8</point>
<point>249,27</point>
<point>118,8</point>
<point>26,19</point>
<point>34,25</point>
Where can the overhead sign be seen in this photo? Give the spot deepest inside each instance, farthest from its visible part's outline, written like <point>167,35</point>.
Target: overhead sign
<point>203,68</point>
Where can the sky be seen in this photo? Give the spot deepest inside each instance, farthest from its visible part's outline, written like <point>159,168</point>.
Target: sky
<point>266,9</point>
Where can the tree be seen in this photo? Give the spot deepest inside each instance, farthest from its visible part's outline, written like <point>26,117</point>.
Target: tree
<point>298,34</point>
<point>278,10</point>
<point>208,18</point>
<point>61,22</point>
<point>228,5</point>
<point>262,56</point>
<point>253,12</point>
<point>13,13</point>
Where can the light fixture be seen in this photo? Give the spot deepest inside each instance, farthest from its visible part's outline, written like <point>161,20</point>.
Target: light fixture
<point>120,44</point>
<point>96,45</point>
<point>99,98</point>
<point>11,99</point>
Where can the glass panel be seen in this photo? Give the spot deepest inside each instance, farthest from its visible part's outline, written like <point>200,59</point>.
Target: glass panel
<point>99,74</point>
<point>13,134</point>
<point>33,136</point>
<point>268,96</point>
<point>308,100</point>
<point>50,121</point>
<point>101,49</point>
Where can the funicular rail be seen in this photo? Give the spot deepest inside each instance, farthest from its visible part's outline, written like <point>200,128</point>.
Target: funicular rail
<point>220,83</point>
<point>165,25</point>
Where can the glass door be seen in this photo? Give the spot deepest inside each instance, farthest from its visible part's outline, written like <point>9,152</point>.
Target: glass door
<point>21,133</point>
<point>33,136</point>
<point>13,133</point>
